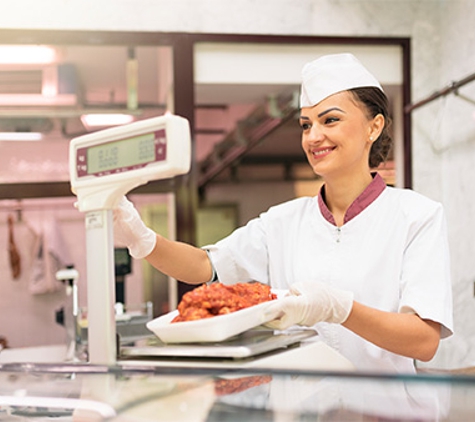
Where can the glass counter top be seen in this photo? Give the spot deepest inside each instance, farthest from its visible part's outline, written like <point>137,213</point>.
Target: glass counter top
<point>83,392</point>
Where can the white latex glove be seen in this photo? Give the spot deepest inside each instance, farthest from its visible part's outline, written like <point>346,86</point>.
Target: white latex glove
<point>130,230</point>
<point>309,303</point>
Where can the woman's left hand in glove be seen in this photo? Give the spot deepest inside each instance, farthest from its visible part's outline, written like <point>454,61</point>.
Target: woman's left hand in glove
<point>309,303</point>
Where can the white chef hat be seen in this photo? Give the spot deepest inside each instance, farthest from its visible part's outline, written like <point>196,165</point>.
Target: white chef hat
<point>333,73</point>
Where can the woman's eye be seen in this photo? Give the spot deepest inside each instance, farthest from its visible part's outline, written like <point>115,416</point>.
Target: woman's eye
<point>305,125</point>
<point>329,120</point>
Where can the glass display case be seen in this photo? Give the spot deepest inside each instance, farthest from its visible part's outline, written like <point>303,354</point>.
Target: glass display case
<point>80,392</point>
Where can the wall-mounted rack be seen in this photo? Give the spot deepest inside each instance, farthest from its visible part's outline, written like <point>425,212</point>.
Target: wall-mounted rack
<point>450,89</point>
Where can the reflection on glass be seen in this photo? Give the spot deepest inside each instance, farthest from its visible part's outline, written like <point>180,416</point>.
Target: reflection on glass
<point>163,394</point>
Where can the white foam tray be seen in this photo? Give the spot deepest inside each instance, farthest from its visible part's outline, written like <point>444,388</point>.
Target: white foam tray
<point>212,329</point>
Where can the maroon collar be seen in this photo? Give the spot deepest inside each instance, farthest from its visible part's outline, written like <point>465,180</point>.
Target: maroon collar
<point>372,191</point>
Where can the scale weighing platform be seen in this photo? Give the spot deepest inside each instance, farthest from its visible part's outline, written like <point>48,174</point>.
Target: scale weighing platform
<point>104,166</point>
<point>249,344</point>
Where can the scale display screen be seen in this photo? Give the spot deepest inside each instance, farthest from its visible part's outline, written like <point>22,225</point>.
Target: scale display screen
<point>121,155</point>
<point>107,164</point>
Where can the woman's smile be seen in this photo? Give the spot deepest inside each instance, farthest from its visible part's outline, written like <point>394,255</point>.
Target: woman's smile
<point>321,152</point>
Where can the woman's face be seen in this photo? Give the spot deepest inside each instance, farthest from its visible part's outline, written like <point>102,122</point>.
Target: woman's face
<point>336,135</point>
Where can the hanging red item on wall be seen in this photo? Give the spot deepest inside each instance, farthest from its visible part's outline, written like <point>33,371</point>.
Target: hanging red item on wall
<point>15,261</point>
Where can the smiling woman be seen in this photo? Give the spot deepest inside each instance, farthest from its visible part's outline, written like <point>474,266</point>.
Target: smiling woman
<point>351,108</point>
<point>344,138</point>
<point>359,259</point>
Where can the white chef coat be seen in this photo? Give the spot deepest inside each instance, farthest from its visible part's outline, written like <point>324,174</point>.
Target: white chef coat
<point>393,256</point>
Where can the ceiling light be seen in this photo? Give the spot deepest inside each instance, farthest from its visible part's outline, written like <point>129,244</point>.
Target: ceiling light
<point>27,54</point>
<point>107,119</point>
<point>20,136</point>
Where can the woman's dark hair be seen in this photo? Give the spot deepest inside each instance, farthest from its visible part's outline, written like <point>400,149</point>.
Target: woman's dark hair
<point>376,103</point>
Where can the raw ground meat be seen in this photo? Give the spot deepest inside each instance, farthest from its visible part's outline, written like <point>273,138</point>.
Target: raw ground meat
<point>208,301</point>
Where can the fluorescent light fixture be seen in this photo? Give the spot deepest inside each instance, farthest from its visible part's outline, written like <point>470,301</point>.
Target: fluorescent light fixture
<point>37,100</point>
<point>27,54</point>
<point>20,136</point>
<point>106,119</point>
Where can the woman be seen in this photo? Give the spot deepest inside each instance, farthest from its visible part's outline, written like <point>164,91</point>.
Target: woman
<point>366,264</point>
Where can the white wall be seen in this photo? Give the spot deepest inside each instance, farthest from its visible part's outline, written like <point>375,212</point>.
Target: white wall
<point>443,138</point>
<point>451,140</point>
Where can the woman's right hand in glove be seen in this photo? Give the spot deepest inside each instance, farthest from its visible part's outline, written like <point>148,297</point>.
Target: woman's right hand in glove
<point>130,230</point>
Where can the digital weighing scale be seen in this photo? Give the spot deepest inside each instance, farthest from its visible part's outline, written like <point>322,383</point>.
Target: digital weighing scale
<point>103,167</point>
